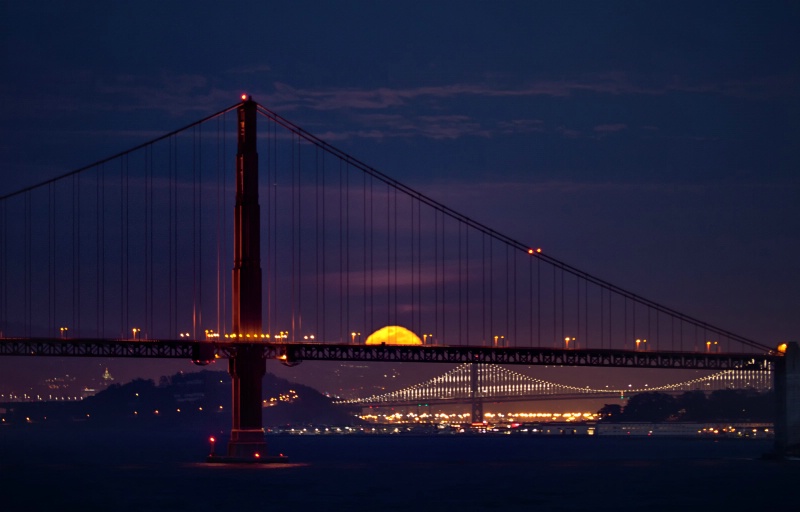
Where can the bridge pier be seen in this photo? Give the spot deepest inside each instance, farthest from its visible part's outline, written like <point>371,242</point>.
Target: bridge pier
<point>247,369</point>
<point>474,393</point>
<point>787,392</point>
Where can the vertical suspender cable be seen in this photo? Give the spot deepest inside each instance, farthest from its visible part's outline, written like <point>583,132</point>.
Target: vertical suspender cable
<point>51,262</point>
<point>539,301</point>
<point>371,254</point>
<point>175,247</point>
<point>324,252</point>
<point>219,231</point>
<point>268,225</point>
<point>274,230</point>
<point>364,248</point>
<point>4,269</point>
<point>388,203</point>
<point>586,309</point>
<point>514,281</point>
<point>298,223</point>
<point>445,339</point>
<point>625,322</point>
<point>610,319</point>
<point>170,231</point>
<point>225,247</point>
<point>292,227</point>
<point>555,309</point>
<point>415,327</point>
<point>483,288</point>
<point>98,263</point>
<point>194,233</point>
<point>74,255</point>
<point>121,251</point>
<point>396,250</point>
<point>342,326</point>
<point>149,295</point>
<point>460,304</point>
<point>602,318</point>
<point>316,243</point>
<point>491,290</point>
<point>418,204</point>
<point>3,274</point>
<point>530,301</point>
<point>563,307</point>
<point>578,310</point>
<point>28,265</point>
<point>436,274</point>
<point>103,251</point>
<point>200,225</point>
<point>657,340</point>
<point>468,308</point>
<point>508,295</point>
<point>350,321</point>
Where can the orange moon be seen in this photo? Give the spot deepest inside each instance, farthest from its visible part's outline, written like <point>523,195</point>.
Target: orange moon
<point>393,335</point>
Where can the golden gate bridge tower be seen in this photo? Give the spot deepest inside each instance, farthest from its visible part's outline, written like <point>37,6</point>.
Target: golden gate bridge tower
<point>247,365</point>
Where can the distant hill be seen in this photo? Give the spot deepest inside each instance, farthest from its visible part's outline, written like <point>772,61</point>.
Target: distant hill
<point>201,399</point>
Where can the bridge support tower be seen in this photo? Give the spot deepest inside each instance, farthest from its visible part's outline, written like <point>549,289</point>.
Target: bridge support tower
<point>248,365</point>
<point>787,391</point>
<point>474,393</point>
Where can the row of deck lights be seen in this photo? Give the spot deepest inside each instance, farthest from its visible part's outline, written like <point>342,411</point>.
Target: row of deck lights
<point>498,341</point>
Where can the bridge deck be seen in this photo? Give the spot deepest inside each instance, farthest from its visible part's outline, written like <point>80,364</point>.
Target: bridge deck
<point>293,353</point>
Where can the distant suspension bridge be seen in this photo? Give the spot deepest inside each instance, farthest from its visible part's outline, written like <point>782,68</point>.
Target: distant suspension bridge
<point>491,382</point>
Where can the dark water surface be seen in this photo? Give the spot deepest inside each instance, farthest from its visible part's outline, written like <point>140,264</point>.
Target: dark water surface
<point>79,469</point>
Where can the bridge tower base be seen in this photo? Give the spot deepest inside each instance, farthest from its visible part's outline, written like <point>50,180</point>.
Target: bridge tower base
<point>247,369</point>
<point>787,393</point>
<point>474,393</point>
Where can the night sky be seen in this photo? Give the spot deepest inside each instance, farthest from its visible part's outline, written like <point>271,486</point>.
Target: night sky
<point>652,144</point>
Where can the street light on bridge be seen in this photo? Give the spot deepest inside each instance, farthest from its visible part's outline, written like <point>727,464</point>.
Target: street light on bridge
<point>135,331</point>
<point>63,331</point>
<point>353,336</point>
<point>566,342</point>
<point>641,342</point>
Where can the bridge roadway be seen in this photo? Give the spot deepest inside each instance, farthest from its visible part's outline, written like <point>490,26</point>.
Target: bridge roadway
<point>292,353</point>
